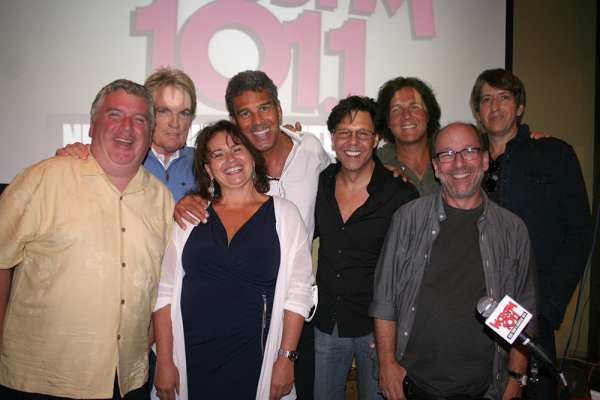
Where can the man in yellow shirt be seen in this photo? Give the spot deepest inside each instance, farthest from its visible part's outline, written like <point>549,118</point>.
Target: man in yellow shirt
<point>87,238</point>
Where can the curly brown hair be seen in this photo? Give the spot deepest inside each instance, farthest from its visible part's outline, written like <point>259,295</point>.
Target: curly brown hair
<point>202,156</point>
<point>389,89</point>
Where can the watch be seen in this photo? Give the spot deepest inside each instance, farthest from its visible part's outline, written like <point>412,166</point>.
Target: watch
<point>521,378</point>
<point>290,355</point>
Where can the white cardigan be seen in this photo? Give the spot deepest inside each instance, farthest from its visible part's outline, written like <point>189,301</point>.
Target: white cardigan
<point>293,291</point>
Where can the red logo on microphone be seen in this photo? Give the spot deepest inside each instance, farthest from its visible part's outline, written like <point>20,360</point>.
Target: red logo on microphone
<point>507,318</point>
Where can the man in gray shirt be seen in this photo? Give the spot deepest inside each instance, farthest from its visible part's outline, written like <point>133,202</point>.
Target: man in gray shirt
<point>443,252</point>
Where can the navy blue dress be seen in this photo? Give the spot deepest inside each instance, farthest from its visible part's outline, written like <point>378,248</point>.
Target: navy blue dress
<point>226,302</point>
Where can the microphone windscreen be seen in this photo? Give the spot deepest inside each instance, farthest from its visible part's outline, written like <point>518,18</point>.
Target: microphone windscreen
<point>486,306</point>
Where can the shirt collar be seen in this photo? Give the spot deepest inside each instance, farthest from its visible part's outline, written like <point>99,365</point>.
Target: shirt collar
<point>437,211</point>
<point>161,158</point>
<point>90,167</point>
<point>376,181</point>
<point>293,135</point>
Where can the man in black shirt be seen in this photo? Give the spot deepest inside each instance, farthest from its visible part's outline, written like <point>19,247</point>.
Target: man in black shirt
<point>541,182</point>
<point>356,199</point>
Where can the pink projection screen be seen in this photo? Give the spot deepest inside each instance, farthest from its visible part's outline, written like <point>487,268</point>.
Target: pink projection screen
<point>56,55</point>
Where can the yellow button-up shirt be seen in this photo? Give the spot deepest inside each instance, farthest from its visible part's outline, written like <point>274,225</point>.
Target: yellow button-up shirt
<point>86,281</point>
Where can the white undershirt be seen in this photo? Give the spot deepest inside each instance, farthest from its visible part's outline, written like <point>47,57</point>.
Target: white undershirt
<point>161,158</point>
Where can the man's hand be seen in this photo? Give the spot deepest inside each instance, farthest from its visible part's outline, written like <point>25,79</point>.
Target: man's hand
<point>282,380</point>
<point>398,172</point>
<point>78,151</point>
<point>538,134</point>
<point>391,376</point>
<point>194,204</point>
<point>296,128</point>
<point>166,380</point>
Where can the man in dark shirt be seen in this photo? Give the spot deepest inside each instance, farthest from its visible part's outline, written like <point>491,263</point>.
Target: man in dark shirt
<point>541,182</point>
<point>356,199</point>
<point>443,252</point>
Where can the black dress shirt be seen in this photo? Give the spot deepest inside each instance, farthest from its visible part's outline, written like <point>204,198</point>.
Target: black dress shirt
<point>348,252</point>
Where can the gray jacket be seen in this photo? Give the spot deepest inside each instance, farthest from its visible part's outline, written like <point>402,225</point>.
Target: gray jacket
<point>507,258</point>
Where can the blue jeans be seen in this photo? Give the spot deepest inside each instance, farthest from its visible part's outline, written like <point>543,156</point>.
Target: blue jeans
<point>333,360</point>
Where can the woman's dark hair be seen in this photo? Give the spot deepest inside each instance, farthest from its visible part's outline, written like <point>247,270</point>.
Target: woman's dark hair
<point>203,154</point>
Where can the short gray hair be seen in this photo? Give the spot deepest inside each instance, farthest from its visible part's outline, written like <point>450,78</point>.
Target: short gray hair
<point>130,87</point>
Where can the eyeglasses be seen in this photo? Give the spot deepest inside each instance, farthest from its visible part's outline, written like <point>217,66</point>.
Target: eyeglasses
<point>346,134</point>
<point>491,183</point>
<point>470,153</point>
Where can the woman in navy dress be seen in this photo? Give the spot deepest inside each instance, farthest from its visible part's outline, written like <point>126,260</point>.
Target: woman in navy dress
<point>235,290</point>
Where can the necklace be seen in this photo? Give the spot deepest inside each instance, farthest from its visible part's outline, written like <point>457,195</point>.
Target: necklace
<point>281,164</point>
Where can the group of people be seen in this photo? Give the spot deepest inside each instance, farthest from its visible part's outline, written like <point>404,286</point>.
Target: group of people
<point>227,292</point>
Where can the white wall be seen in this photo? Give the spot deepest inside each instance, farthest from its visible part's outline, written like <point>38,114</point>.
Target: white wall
<point>55,55</point>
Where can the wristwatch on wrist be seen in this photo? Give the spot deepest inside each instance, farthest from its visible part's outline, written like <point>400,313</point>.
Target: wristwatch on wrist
<point>290,355</point>
<point>521,378</point>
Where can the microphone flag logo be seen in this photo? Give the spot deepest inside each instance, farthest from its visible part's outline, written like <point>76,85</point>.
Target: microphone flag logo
<point>508,319</point>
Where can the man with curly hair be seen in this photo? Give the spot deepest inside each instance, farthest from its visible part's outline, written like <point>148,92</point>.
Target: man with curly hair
<point>413,116</point>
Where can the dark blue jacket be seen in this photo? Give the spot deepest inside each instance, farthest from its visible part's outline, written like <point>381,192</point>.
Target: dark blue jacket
<point>542,183</point>
<point>179,177</point>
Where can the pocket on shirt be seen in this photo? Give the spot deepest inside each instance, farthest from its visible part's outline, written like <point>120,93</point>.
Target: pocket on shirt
<point>508,267</point>
<point>537,189</point>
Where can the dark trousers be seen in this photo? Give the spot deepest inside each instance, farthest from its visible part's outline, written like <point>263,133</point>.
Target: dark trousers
<point>546,387</point>
<point>151,371</point>
<point>11,394</point>
<point>416,393</point>
<point>304,370</point>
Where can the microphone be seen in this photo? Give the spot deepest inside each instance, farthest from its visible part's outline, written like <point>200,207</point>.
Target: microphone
<point>512,317</point>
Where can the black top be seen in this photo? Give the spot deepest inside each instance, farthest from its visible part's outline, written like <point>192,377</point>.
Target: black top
<point>450,350</point>
<point>542,184</point>
<point>226,302</point>
<point>493,178</point>
<point>348,252</point>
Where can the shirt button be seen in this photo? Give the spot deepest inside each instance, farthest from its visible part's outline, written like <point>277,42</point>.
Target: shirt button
<point>122,301</point>
<point>412,309</point>
<point>343,227</point>
<point>425,255</point>
<point>339,252</point>
<point>123,229</point>
<point>121,198</point>
<point>405,333</point>
<point>118,337</point>
<point>338,275</point>
<point>123,265</point>
<point>433,232</point>
<point>338,297</point>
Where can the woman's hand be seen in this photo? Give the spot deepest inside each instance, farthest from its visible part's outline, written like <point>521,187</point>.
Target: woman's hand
<point>166,380</point>
<point>282,380</point>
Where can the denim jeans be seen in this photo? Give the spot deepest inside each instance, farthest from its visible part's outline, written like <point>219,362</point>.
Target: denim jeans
<point>333,360</point>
